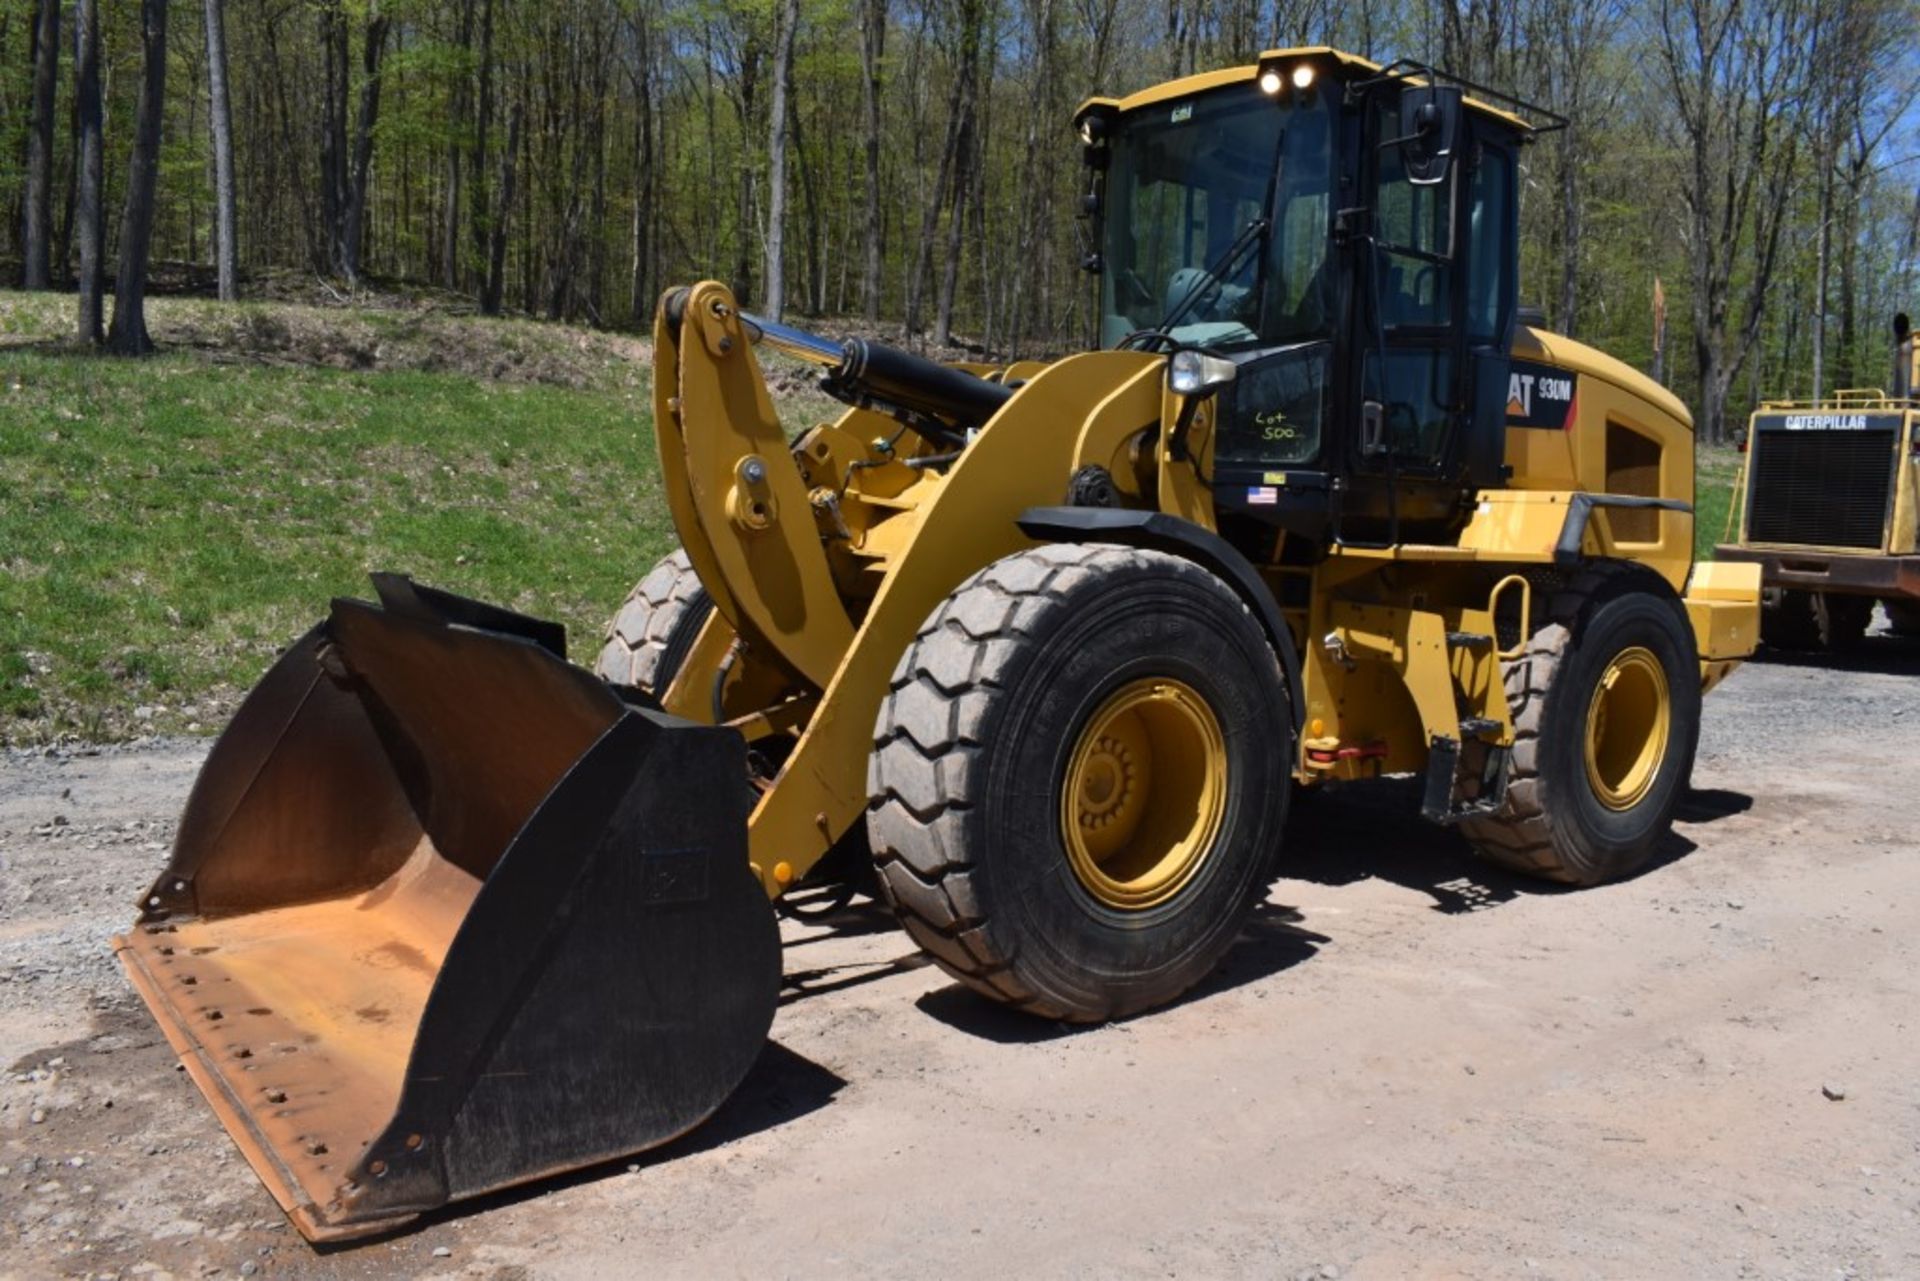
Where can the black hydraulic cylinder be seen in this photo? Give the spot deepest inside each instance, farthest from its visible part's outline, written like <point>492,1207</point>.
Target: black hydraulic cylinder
<point>859,369</point>
<point>926,386</point>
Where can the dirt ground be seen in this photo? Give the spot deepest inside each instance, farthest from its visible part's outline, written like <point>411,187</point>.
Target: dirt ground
<point>1411,1066</point>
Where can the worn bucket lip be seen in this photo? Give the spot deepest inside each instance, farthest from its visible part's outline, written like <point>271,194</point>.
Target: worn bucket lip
<point>239,1125</point>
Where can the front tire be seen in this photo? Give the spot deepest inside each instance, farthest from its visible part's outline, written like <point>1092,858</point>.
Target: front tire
<point>1080,778</point>
<point>1606,709</point>
<point>650,636</point>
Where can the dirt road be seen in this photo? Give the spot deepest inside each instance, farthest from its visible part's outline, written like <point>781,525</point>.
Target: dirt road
<point>1412,1066</point>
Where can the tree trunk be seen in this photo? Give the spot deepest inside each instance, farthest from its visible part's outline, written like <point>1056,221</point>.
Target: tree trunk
<point>35,241</point>
<point>787,21</point>
<point>91,193</point>
<point>477,159</point>
<point>964,159</point>
<point>497,249</point>
<point>128,334</point>
<point>226,246</point>
<point>450,209</point>
<point>333,131</point>
<point>930,219</point>
<point>353,214</point>
<point>1823,256</point>
<point>1569,316</point>
<point>639,305</point>
<point>62,258</point>
<point>873,43</point>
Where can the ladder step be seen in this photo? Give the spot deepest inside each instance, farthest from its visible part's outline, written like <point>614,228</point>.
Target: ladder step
<point>1477,726</point>
<point>1469,640</point>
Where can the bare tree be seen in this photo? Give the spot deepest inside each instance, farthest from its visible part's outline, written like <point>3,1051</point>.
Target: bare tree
<point>965,158</point>
<point>344,175</point>
<point>1566,40</point>
<point>89,180</point>
<point>35,241</point>
<point>479,212</point>
<point>1733,72</point>
<point>450,208</point>
<point>354,215</point>
<point>962,54</point>
<point>490,298</point>
<point>1858,99</point>
<point>786,26</point>
<point>873,47</point>
<point>646,179</point>
<point>127,335</point>
<point>226,246</point>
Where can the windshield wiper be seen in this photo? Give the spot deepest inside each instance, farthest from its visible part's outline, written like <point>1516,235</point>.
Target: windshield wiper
<point>1214,276</point>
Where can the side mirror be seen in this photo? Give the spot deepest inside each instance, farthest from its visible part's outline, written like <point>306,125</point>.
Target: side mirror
<point>1429,129</point>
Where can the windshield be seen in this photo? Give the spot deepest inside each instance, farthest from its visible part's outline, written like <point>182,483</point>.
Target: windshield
<point>1189,178</point>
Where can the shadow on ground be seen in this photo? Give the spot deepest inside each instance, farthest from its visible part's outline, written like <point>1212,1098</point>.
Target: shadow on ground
<point>1270,942</point>
<point>1369,830</point>
<point>781,1087</point>
<point>1880,654</point>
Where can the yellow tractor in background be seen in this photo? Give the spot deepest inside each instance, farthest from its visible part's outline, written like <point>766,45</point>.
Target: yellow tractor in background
<point>1038,650</point>
<point>1828,506</point>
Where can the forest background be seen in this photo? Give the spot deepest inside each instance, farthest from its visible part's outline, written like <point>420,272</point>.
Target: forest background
<point>1736,207</point>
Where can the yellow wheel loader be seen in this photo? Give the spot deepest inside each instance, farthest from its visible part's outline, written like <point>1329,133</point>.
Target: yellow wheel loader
<point>1038,650</point>
<point>1828,506</point>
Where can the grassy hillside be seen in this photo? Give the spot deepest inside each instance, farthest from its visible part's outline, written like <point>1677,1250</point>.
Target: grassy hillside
<point>167,525</point>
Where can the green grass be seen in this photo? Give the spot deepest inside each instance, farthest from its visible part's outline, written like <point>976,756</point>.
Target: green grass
<point>1716,472</point>
<point>167,526</point>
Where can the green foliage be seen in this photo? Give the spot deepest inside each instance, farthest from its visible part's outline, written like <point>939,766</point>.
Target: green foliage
<point>1716,473</point>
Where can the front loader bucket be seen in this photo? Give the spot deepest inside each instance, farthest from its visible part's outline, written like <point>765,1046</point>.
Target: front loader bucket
<point>445,914</point>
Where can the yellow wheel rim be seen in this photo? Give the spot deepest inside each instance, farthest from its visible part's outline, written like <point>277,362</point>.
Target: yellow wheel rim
<point>1628,725</point>
<point>1145,791</point>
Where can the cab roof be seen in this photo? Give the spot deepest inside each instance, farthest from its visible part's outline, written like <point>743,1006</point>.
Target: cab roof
<point>1187,86</point>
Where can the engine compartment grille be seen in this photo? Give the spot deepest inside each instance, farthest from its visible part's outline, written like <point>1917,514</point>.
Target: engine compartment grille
<point>1822,488</point>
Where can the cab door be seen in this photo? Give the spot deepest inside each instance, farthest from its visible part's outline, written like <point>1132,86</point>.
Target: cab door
<point>1431,327</point>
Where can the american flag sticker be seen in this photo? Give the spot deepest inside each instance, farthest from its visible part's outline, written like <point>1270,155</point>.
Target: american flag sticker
<point>1263,495</point>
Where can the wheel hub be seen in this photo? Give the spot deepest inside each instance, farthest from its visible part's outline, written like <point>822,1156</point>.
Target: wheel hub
<point>1144,793</point>
<point>1629,723</point>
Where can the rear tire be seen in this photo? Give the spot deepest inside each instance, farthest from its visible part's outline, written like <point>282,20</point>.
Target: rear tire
<point>654,630</point>
<point>1122,673</point>
<point>1596,772</point>
<point>1842,621</point>
<point>1827,622</point>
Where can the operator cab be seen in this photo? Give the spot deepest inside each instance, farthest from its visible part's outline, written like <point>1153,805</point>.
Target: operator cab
<point>1345,236</point>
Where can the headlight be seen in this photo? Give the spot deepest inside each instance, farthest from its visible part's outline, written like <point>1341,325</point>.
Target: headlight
<point>1303,76</point>
<point>1194,373</point>
<point>1270,82</point>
